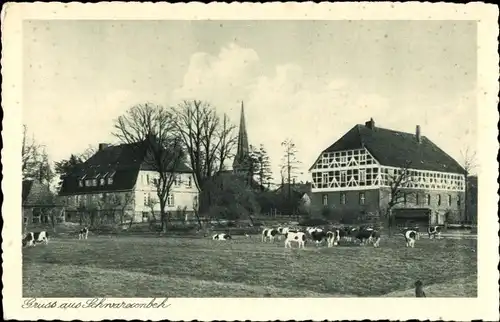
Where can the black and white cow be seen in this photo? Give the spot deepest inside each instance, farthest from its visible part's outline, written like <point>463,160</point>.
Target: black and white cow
<point>434,231</point>
<point>83,233</point>
<point>368,235</point>
<point>310,230</point>
<point>318,236</point>
<point>410,237</point>
<point>348,233</point>
<point>282,231</point>
<point>269,233</point>
<point>30,239</point>
<point>296,237</point>
<point>415,228</point>
<point>221,237</point>
<point>333,237</point>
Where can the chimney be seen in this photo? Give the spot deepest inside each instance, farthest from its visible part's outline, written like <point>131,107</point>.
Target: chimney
<point>417,134</point>
<point>370,124</point>
<point>102,146</point>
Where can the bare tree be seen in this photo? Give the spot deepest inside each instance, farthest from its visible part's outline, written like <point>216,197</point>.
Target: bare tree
<point>289,166</point>
<point>470,164</point>
<point>88,153</point>
<point>208,139</point>
<point>151,129</point>
<point>35,161</point>
<point>398,180</point>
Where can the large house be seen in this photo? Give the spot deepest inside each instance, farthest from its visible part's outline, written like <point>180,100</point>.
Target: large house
<point>119,177</point>
<point>355,175</point>
<point>38,202</point>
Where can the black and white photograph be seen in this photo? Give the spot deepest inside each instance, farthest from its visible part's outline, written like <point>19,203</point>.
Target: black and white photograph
<point>239,156</point>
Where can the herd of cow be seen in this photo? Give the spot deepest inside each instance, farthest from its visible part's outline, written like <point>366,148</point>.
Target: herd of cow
<point>332,236</point>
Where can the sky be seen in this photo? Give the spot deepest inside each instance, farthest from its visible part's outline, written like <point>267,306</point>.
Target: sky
<point>309,81</point>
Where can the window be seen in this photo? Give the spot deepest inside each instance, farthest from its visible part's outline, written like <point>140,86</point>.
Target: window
<point>147,179</point>
<point>94,182</point>
<point>428,199</point>
<point>325,200</point>
<point>449,200</point>
<point>77,199</point>
<point>110,180</point>
<point>416,199</point>
<point>458,201</point>
<point>103,181</point>
<point>195,201</point>
<point>170,200</point>
<point>145,199</point>
<point>155,182</point>
<point>190,182</point>
<point>361,198</point>
<point>343,176</point>
<point>362,176</point>
<point>80,183</point>
<point>439,200</point>
<point>342,198</point>
<point>177,180</point>
<point>88,183</point>
<point>405,198</point>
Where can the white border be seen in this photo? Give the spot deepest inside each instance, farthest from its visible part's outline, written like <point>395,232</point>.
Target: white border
<point>484,307</point>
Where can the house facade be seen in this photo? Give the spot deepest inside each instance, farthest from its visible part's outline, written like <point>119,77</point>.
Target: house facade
<point>358,174</point>
<point>39,204</point>
<point>118,182</point>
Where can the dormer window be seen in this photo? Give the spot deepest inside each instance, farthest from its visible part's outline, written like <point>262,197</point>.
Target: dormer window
<point>80,183</point>
<point>103,181</point>
<point>110,177</point>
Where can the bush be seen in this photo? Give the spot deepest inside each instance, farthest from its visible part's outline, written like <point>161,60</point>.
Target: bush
<point>314,222</point>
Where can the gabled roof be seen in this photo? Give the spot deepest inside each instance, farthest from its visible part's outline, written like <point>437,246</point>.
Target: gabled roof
<point>299,188</point>
<point>36,193</point>
<point>123,162</point>
<point>394,148</point>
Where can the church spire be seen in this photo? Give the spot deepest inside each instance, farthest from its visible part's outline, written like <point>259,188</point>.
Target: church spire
<point>243,148</point>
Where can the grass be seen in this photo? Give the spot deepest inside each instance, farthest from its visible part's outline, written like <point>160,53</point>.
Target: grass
<point>244,267</point>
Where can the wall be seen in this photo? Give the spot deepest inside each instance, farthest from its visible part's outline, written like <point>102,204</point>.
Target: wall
<point>352,204</point>
<point>456,212</point>
<point>184,195</point>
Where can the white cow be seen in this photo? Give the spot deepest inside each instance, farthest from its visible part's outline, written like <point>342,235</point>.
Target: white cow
<point>36,237</point>
<point>333,237</point>
<point>269,233</point>
<point>83,233</point>
<point>410,236</point>
<point>282,231</point>
<point>295,236</point>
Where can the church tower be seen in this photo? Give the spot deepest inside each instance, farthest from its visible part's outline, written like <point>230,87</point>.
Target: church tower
<point>240,163</point>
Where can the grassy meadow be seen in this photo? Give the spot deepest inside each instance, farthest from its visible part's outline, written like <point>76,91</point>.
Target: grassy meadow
<point>126,266</point>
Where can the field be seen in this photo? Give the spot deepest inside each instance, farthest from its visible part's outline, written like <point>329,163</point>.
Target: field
<point>126,266</point>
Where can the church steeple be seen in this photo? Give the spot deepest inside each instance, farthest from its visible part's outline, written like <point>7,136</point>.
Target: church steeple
<point>242,153</point>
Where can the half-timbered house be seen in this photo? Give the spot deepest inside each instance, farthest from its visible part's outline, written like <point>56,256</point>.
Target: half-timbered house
<point>355,174</point>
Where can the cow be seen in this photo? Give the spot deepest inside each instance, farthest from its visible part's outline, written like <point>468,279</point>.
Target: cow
<point>318,236</point>
<point>333,237</point>
<point>434,231</point>
<point>221,237</point>
<point>282,231</point>
<point>415,228</point>
<point>30,239</point>
<point>269,233</point>
<point>349,232</point>
<point>410,237</point>
<point>83,233</point>
<point>295,236</point>
<point>368,235</point>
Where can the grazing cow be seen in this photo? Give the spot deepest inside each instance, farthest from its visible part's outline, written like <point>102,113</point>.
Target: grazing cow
<point>349,232</point>
<point>83,233</point>
<point>221,237</point>
<point>333,237</point>
<point>311,230</point>
<point>295,236</point>
<point>37,237</point>
<point>410,237</point>
<point>318,236</point>
<point>368,235</point>
<point>434,231</point>
<point>269,233</point>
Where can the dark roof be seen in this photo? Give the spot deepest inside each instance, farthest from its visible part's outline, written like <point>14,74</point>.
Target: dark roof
<point>123,161</point>
<point>394,148</point>
<point>36,193</point>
